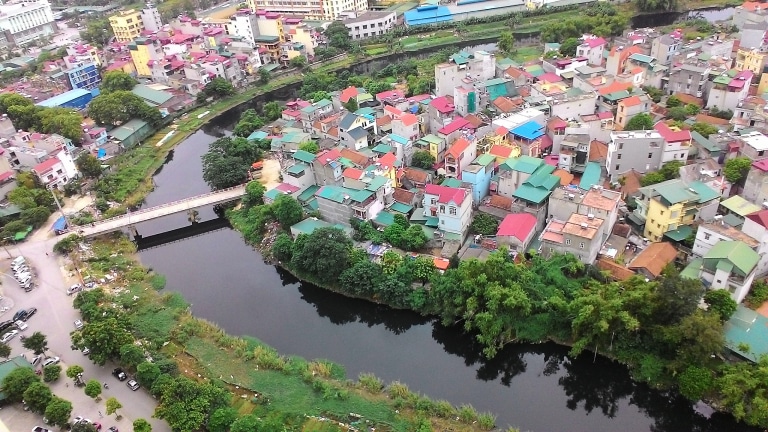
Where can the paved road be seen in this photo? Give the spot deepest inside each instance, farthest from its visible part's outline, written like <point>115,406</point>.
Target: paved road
<point>55,317</point>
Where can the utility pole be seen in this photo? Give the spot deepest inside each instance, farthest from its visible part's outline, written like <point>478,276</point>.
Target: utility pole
<point>58,204</point>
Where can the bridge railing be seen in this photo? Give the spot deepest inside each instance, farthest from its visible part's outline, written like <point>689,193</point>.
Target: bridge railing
<point>158,207</point>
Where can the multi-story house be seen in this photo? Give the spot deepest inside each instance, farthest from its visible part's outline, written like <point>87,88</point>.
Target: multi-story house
<point>126,25</point>
<point>630,107</point>
<point>80,54</point>
<point>752,59</point>
<point>574,153</point>
<point>597,201</point>
<point>666,206</point>
<point>369,23</point>
<point>150,18</point>
<point>406,125</point>
<point>328,10</point>
<point>459,156</point>
<point>478,66</point>
<point>677,142</point>
<point>327,168</point>
<point>338,204</point>
<point>754,145</point>
<point>592,48</point>
<point>297,169</point>
<point>401,147</point>
<point>633,150</point>
<point>729,265</point>
<point>478,174</point>
<point>441,112</point>
<point>756,227</point>
<point>145,51</point>
<point>709,234</point>
<point>726,93</point>
<point>316,111</point>
<point>452,206</point>
<point>56,171</point>
<point>433,144</point>
<point>579,235</point>
<point>83,77</point>
<point>24,22</point>
<point>756,184</point>
<point>689,79</point>
<point>666,46</point>
<point>354,131</point>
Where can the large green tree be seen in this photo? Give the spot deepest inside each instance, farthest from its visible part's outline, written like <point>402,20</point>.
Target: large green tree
<point>642,121</point>
<point>506,42</point>
<point>743,389</point>
<point>118,107</point>
<point>287,211</point>
<point>422,159</point>
<point>141,425</point>
<point>323,254</point>
<point>720,302</point>
<point>37,396</point>
<point>37,342</point>
<point>272,110</point>
<point>88,165</point>
<point>117,80</point>
<point>58,411</point>
<point>93,389</point>
<point>187,405</point>
<point>147,373</point>
<point>228,160</point>
<point>249,122</point>
<point>104,338</point>
<point>17,382</point>
<point>222,419</point>
<point>736,169</point>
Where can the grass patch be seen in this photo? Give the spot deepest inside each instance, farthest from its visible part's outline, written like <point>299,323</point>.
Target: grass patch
<point>527,53</point>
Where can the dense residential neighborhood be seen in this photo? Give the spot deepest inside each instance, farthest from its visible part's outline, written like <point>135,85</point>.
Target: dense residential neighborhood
<point>594,185</point>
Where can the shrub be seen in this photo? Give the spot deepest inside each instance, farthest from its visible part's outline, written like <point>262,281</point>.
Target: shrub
<point>51,373</point>
<point>486,421</point>
<point>467,414</point>
<point>398,390</point>
<point>371,382</point>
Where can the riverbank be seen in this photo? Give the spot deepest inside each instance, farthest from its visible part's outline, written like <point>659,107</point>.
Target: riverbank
<point>260,380</point>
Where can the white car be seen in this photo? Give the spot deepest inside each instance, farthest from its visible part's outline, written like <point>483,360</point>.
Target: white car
<point>8,336</point>
<point>74,288</point>
<point>51,361</point>
<point>78,324</point>
<point>81,419</point>
<point>21,325</point>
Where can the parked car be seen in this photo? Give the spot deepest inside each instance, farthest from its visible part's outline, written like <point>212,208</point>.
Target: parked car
<point>81,420</point>
<point>74,288</point>
<point>8,336</point>
<point>112,429</point>
<point>27,286</point>
<point>86,351</point>
<point>31,311</point>
<point>51,361</point>
<point>20,315</point>
<point>119,374</point>
<point>21,325</point>
<point>5,325</point>
<point>37,359</point>
<point>78,324</point>
<point>133,385</point>
<point>21,269</point>
<point>40,429</point>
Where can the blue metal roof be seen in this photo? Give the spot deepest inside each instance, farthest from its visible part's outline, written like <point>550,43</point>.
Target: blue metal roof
<point>530,130</point>
<point>60,224</point>
<point>591,176</point>
<point>427,15</point>
<point>63,98</point>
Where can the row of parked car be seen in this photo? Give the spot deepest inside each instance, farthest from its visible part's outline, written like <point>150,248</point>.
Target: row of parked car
<point>9,329</point>
<point>22,273</point>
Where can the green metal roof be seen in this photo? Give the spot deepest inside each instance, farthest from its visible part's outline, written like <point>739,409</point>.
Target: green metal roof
<point>747,327</point>
<point>451,182</point>
<point>432,139</point>
<point>680,234</point>
<point>337,194</point>
<point>150,95</point>
<point>432,221</point>
<point>722,79</point>
<point>526,164</point>
<point>304,156</point>
<point>484,159</point>
<point>675,191</point>
<point>704,142</point>
<point>273,194</point>
<point>308,193</point>
<point>322,103</point>
<point>740,206</point>
<point>382,148</point>
<point>9,366</point>
<point>125,131</point>
<point>376,183</point>
<point>704,192</point>
<point>385,218</point>
<point>297,168</point>
<point>733,220</point>
<point>691,271</point>
<point>531,193</point>
<point>591,175</point>
<point>401,208</point>
<point>736,253</point>
<point>309,225</point>
<point>266,39</point>
<point>9,210</point>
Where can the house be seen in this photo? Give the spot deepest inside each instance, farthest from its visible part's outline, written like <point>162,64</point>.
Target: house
<point>441,111</point>
<point>513,172</point>
<point>597,201</point>
<point>650,262</point>
<point>581,236</point>
<point>478,174</point>
<point>517,231</point>
<point>727,265</point>
<point>756,184</point>
<point>532,195</point>
<point>297,170</point>
<point>338,204</point>
<point>755,145</point>
<point>726,93</point>
<point>327,167</point>
<point>353,130</point>
<point>709,234</point>
<point>56,171</point>
<point>459,156</point>
<point>756,226</point>
<point>130,133</point>
<point>665,207</point>
<point>452,207</point>
<point>411,177</point>
<point>592,49</point>
<point>630,107</point>
<point>640,151</point>
<point>435,145</point>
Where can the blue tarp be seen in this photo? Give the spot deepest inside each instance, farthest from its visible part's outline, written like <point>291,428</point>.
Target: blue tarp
<point>529,131</point>
<point>60,224</point>
<point>101,154</point>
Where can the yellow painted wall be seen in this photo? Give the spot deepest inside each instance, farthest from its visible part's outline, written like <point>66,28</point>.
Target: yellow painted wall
<point>126,25</point>
<point>140,57</point>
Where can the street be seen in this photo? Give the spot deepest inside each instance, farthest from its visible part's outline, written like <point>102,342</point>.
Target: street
<point>55,318</point>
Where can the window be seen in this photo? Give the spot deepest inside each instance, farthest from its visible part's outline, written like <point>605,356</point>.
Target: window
<point>653,220</point>
<point>707,236</point>
<point>675,214</point>
<point>661,212</point>
<point>365,26</point>
<point>650,155</point>
<point>617,167</point>
<point>618,157</point>
<point>433,200</point>
<point>581,245</point>
<point>567,241</point>
<point>452,210</point>
<point>621,145</point>
<point>442,209</point>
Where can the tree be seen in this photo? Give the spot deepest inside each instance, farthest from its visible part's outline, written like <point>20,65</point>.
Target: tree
<point>310,147</point>
<point>247,423</point>
<point>97,31</point>
<point>222,419</point>
<point>568,47</point>
<point>186,405</point>
<point>254,194</point>
<point>263,76</point>
<point>272,110</point>
<point>673,101</point>
<point>62,121</point>
<point>5,350</point>
<point>655,93</point>
<point>37,396</point>
<point>362,278</point>
<point>131,355</point>
<point>17,382</point>
<point>338,36</point>
<point>104,338</point>
<point>692,109</point>
<point>249,122</point>
<point>351,105</point>
<point>58,411</point>
<point>117,80</point>
<point>743,389</point>
<point>695,382</point>
<point>677,113</point>
<point>83,427</point>
<point>217,89</point>
<point>112,406</point>
<point>324,254</point>
<point>93,389</point>
<point>287,211</point>
<point>299,62</point>
<point>282,248</point>
<point>38,343</point>
<point>484,224</point>
<point>506,42</point>
<point>736,169</point>
<point>74,371</point>
<point>721,303</point>
<point>228,160</point>
<point>119,107</point>
<point>51,373</point>
<point>88,165</point>
<point>642,121</point>
<point>705,129</point>
<point>422,268</point>
<point>141,425</point>
<point>10,99</point>
<point>147,373</point>
<point>414,238</point>
<point>423,159</point>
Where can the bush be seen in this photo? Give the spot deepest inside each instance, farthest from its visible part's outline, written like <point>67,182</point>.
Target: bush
<point>67,244</point>
<point>51,373</point>
<point>371,382</point>
<point>758,294</point>
<point>484,224</point>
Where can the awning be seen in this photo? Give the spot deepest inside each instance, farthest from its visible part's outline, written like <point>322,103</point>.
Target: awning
<point>680,234</point>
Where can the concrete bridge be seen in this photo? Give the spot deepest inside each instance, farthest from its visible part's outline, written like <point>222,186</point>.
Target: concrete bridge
<point>143,215</point>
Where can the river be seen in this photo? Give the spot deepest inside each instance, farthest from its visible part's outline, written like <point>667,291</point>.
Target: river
<point>534,387</point>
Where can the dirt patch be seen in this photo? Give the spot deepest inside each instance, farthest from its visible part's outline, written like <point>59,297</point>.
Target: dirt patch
<point>270,174</point>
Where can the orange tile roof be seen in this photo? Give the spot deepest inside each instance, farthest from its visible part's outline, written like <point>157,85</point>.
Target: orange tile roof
<point>688,99</point>
<point>347,94</point>
<point>631,101</point>
<point>403,196</point>
<point>356,157</point>
<point>614,87</point>
<point>383,121</point>
<point>409,119</point>
<point>598,150</point>
<point>617,271</point>
<point>458,147</point>
<point>703,118</point>
<point>565,177</point>
<point>500,151</point>
<point>387,161</point>
<point>654,258</point>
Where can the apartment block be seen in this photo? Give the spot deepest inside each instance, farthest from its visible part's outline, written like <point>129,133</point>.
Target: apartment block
<point>126,25</point>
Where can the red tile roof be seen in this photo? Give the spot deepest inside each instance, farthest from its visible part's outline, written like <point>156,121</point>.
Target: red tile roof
<point>388,160</point>
<point>390,94</point>
<point>454,126</point>
<point>614,87</point>
<point>446,194</point>
<point>328,155</point>
<point>458,147</point>
<point>6,175</point>
<point>759,217</point>
<point>42,167</point>
<point>503,151</point>
<point>762,165</point>
<point>443,105</point>
<point>409,119</point>
<point>353,173</point>
<point>518,225</point>
<point>549,77</point>
<point>671,135</point>
<point>595,42</point>
<point>631,101</point>
<point>347,94</point>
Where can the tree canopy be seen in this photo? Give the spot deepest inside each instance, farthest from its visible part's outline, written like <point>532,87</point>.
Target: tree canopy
<point>736,169</point>
<point>117,80</point>
<point>120,106</point>
<point>324,253</point>
<point>228,160</point>
<point>218,88</point>
<point>642,121</point>
<point>104,338</point>
<point>25,115</point>
<point>187,405</point>
<point>88,165</point>
<point>422,159</point>
<point>249,122</point>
